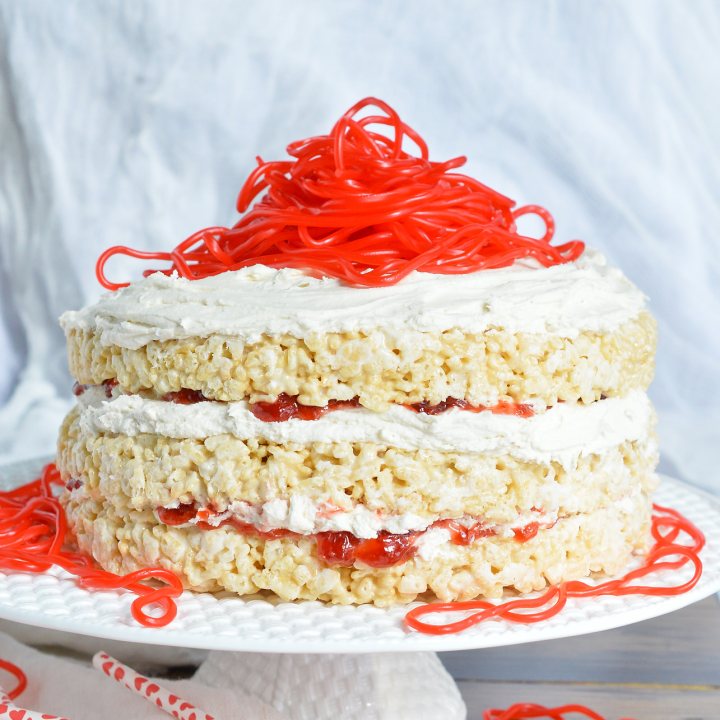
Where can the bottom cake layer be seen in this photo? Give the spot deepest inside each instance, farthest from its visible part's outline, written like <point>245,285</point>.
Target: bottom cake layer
<point>225,559</point>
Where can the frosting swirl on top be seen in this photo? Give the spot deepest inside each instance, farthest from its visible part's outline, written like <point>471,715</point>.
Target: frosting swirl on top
<point>563,300</point>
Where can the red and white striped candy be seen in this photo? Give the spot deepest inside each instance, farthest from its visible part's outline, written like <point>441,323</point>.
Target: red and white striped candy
<point>148,689</point>
<point>10,711</point>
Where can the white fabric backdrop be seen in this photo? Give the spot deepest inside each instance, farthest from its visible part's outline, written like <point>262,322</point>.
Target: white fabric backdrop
<point>136,122</point>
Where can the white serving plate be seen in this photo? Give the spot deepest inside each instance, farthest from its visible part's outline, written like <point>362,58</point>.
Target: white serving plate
<point>218,622</point>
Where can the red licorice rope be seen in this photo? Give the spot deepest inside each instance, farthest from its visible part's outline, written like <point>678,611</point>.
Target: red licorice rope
<point>667,524</point>
<point>33,538</point>
<point>357,206</point>
<point>523,711</point>
<point>18,674</point>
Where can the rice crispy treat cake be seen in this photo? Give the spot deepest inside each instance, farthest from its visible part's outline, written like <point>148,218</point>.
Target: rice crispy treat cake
<point>265,430</point>
<point>371,389</point>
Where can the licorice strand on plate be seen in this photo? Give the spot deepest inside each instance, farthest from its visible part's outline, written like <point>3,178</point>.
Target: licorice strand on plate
<point>525,711</point>
<point>33,538</point>
<point>356,205</point>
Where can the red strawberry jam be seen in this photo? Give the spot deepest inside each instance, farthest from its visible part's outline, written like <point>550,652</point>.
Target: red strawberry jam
<point>337,548</point>
<point>427,408</point>
<point>247,529</point>
<point>519,409</point>
<point>177,516</point>
<point>185,513</point>
<point>465,535</point>
<point>184,396</point>
<point>109,385</point>
<point>502,408</point>
<point>286,407</point>
<point>526,533</point>
<point>387,549</point>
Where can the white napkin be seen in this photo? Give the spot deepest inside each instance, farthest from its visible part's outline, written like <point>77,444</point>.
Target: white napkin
<point>250,686</point>
<point>74,689</point>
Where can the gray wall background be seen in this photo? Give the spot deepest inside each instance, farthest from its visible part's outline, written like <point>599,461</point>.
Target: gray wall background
<point>136,123</point>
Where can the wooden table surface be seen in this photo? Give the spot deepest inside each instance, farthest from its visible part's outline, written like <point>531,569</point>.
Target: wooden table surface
<point>662,669</point>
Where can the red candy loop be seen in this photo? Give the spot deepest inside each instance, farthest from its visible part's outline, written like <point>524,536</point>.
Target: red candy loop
<point>543,214</point>
<point>122,250</point>
<point>667,525</point>
<point>33,538</point>
<point>358,206</point>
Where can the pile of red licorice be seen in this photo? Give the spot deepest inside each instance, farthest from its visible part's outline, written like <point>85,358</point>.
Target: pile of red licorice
<point>33,538</point>
<point>665,554</point>
<point>357,206</point>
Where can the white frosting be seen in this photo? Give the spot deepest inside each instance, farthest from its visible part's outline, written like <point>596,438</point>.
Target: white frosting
<point>301,515</point>
<point>561,433</point>
<point>561,300</point>
<point>434,542</point>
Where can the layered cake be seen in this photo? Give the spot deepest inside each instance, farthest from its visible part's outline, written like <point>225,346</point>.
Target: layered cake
<point>276,427</point>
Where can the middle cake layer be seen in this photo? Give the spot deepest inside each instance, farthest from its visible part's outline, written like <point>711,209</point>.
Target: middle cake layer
<point>142,454</point>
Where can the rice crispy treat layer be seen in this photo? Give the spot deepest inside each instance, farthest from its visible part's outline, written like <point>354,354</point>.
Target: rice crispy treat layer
<point>381,368</point>
<point>149,471</point>
<point>224,559</point>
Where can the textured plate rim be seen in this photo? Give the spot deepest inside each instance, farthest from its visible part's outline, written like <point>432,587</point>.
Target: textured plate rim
<point>634,610</point>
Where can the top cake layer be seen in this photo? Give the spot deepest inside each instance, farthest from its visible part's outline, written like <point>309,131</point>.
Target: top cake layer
<point>563,300</point>
<point>575,332</point>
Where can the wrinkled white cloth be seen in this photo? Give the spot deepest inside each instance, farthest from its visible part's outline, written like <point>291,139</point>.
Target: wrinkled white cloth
<point>246,686</point>
<point>74,689</point>
<point>136,123</point>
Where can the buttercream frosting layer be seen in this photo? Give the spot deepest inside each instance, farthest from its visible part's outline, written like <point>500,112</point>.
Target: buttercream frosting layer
<point>304,516</point>
<point>247,304</point>
<point>561,433</point>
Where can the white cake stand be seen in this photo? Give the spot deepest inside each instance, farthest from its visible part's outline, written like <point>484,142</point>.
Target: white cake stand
<point>323,662</point>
